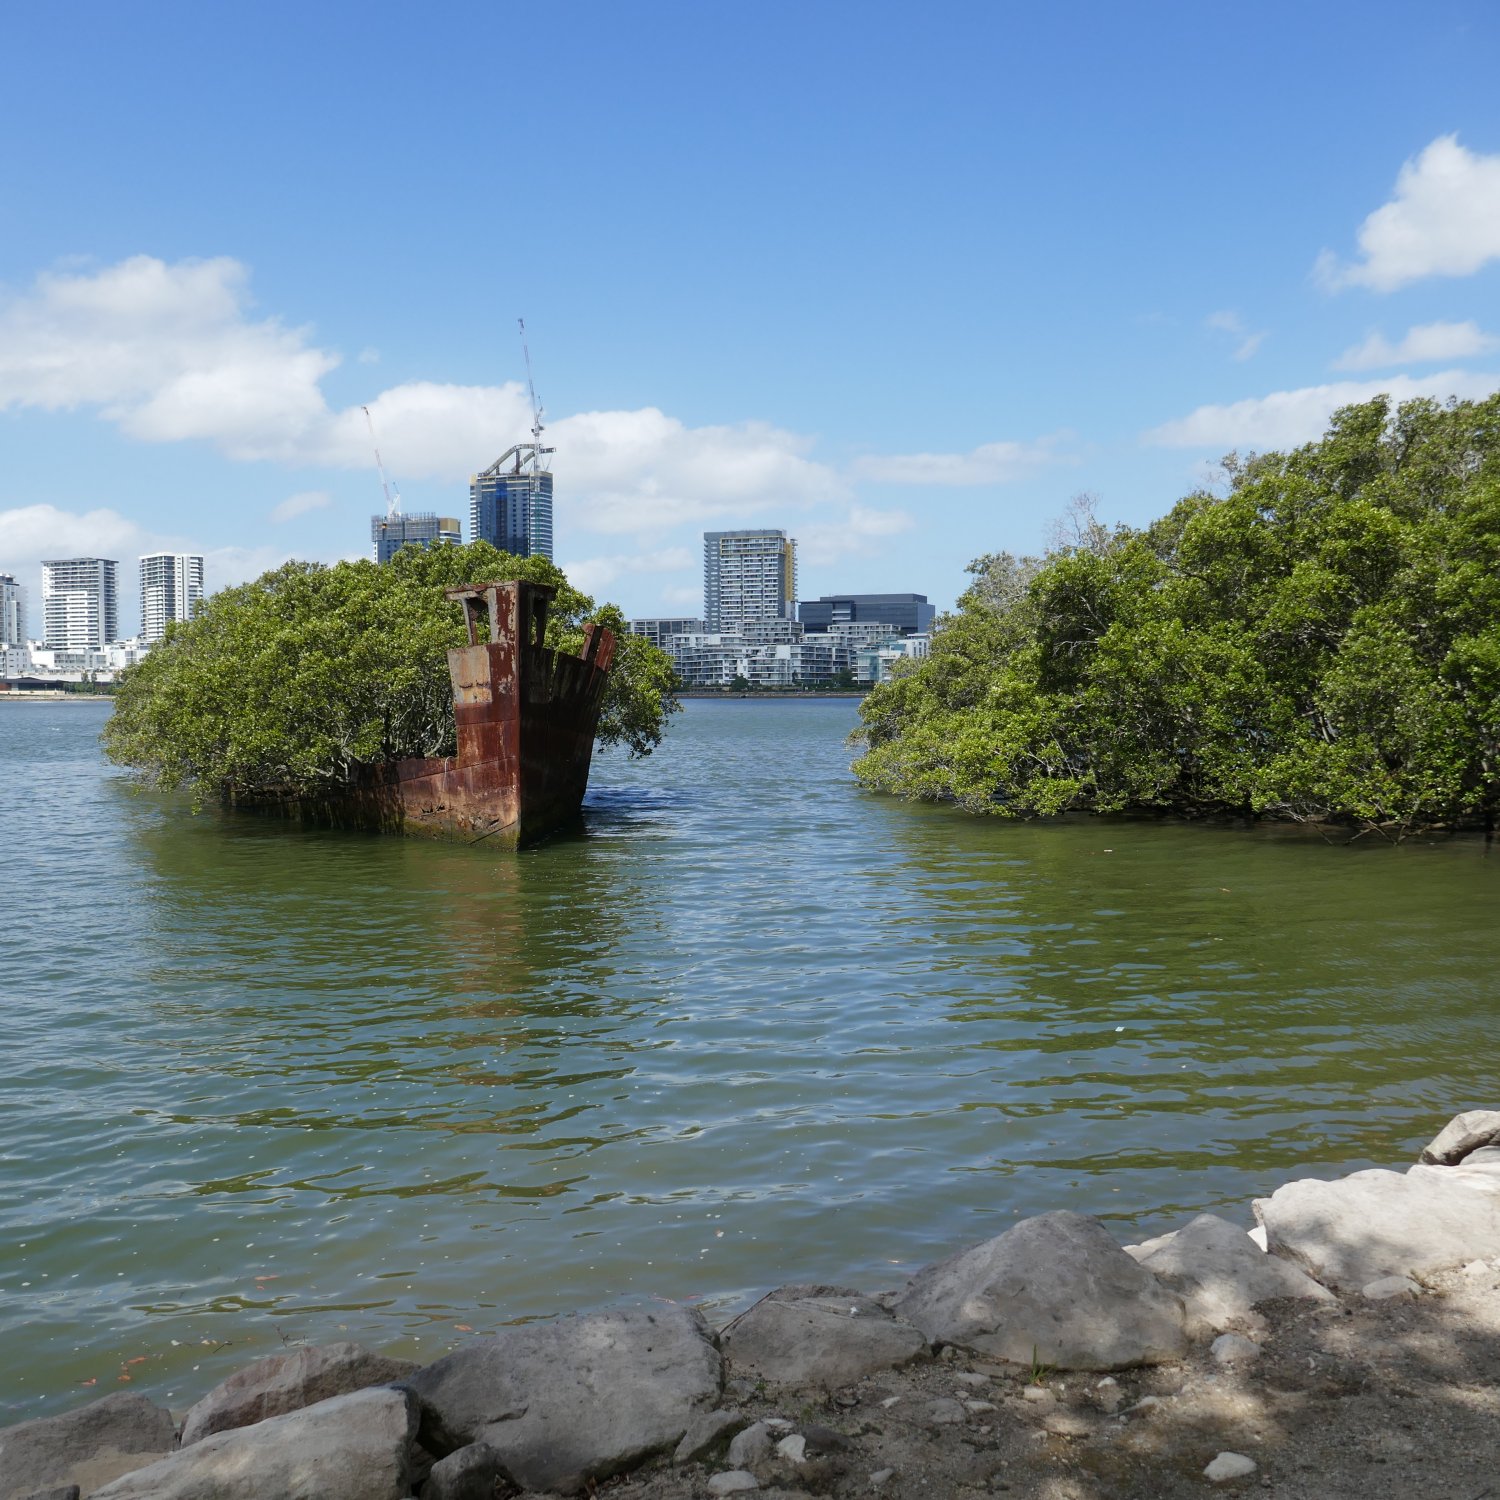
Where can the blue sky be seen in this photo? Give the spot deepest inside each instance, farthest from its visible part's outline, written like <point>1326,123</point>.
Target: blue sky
<point>899,280</point>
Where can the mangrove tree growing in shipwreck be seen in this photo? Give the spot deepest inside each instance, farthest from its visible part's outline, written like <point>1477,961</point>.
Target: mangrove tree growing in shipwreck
<point>287,686</point>
<point>1321,642</point>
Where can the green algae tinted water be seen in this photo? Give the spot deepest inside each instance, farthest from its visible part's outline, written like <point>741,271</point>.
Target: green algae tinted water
<point>754,1026</point>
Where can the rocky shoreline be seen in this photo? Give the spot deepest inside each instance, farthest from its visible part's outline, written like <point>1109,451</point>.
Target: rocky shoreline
<point>1348,1345</point>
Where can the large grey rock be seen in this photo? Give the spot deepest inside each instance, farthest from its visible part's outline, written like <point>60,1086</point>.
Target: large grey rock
<point>473,1473</point>
<point>706,1431</point>
<point>829,1339</point>
<point>1377,1223</point>
<point>750,1447</point>
<point>574,1400</point>
<point>87,1447</point>
<point>355,1447</point>
<point>285,1382</point>
<point>1480,1170</point>
<point>1461,1135</point>
<point>1055,1289</point>
<point>1220,1273</point>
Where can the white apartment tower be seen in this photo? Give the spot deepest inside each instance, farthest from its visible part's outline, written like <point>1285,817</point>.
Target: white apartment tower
<point>749,577</point>
<point>12,611</point>
<point>79,603</point>
<point>171,589</point>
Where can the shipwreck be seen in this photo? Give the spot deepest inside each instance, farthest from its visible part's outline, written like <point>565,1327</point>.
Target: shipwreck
<point>526,718</point>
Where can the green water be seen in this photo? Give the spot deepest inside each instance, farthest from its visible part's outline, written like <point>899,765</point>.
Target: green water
<point>754,1026</point>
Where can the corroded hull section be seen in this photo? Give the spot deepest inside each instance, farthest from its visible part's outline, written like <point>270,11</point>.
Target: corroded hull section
<point>526,718</point>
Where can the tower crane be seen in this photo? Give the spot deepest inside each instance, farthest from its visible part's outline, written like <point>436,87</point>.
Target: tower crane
<point>536,406</point>
<point>392,495</point>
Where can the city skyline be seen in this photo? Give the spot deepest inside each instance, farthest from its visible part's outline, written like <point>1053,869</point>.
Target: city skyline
<point>1107,302</point>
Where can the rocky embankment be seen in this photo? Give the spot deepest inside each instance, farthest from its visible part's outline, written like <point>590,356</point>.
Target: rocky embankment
<point>1347,1346</point>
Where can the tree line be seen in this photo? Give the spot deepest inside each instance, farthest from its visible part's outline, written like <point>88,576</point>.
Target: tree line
<point>1320,642</point>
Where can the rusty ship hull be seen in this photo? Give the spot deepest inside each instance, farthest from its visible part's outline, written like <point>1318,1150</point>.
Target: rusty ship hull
<point>526,718</point>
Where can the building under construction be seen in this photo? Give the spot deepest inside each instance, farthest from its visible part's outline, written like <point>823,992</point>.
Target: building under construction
<point>392,532</point>
<point>510,503</point>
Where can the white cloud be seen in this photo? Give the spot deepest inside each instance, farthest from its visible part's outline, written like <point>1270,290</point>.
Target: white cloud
<point>1425,344</point>
<point>1247,342</point>
<point>171,353</point>
<point>595,574</point>
<point>301,503</point>
<point>855,534</point>
<point>225,566</point>
<point>30,534</point>
<point>1286,419</point>
<point>990,463</point>
<point>1444,220</point>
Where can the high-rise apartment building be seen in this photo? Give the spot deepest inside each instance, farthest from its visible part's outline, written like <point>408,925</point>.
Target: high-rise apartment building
<point>80,602</point>
<point>391,533</point>
<point>510,504</point>
<point>171,589</point>
<point>12,611</point>
<point>748,577</point>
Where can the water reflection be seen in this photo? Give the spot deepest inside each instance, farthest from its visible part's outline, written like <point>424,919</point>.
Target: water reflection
<point>752,1025</point>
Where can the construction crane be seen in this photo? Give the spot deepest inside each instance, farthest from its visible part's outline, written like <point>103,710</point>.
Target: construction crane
<point>536,406</point>
<point>392,495</point>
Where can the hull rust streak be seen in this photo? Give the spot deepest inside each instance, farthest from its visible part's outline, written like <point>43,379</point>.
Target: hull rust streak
<point>526,718</point>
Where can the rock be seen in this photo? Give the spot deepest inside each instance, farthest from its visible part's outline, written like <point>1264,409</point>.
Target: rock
<point>57,1492</point>
<point>1387,1287</point>
<point>1477,1268</point>
<point>970,1377</point>
<point>354,1447</point>
<point>1462,1135</point>
<point>1258,1235</point>
<point>1229,1466</point>
<point>732,1482</point>
<point>87,1447</point>
<point>1055,1289</point>
<point>1234,1349</point>
<point>944,1412</point>
<point>1039,1395</point>
<point>575,1400</point>
<point>1220,1274</point>
<point>472,1473</point>
<point>822,1439</point>
<point>750,1447</point>
<point>1377,1223</point>
<point>287,1382</point>
<point>705,1431</point>
<point>793,1448</point>
<point>1480,1171</point>
<point>879,1477</point>
<point>818,1341</point>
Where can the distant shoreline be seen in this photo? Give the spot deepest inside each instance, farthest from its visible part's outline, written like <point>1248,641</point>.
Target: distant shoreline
<point>51,697</point>
<point>774,696</point>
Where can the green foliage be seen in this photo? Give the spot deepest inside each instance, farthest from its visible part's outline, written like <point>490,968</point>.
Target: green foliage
<point>1321,643</point>
<point>288,684</point>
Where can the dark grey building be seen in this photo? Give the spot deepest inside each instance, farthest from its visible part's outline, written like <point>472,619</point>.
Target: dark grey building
<point>909,614</point>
